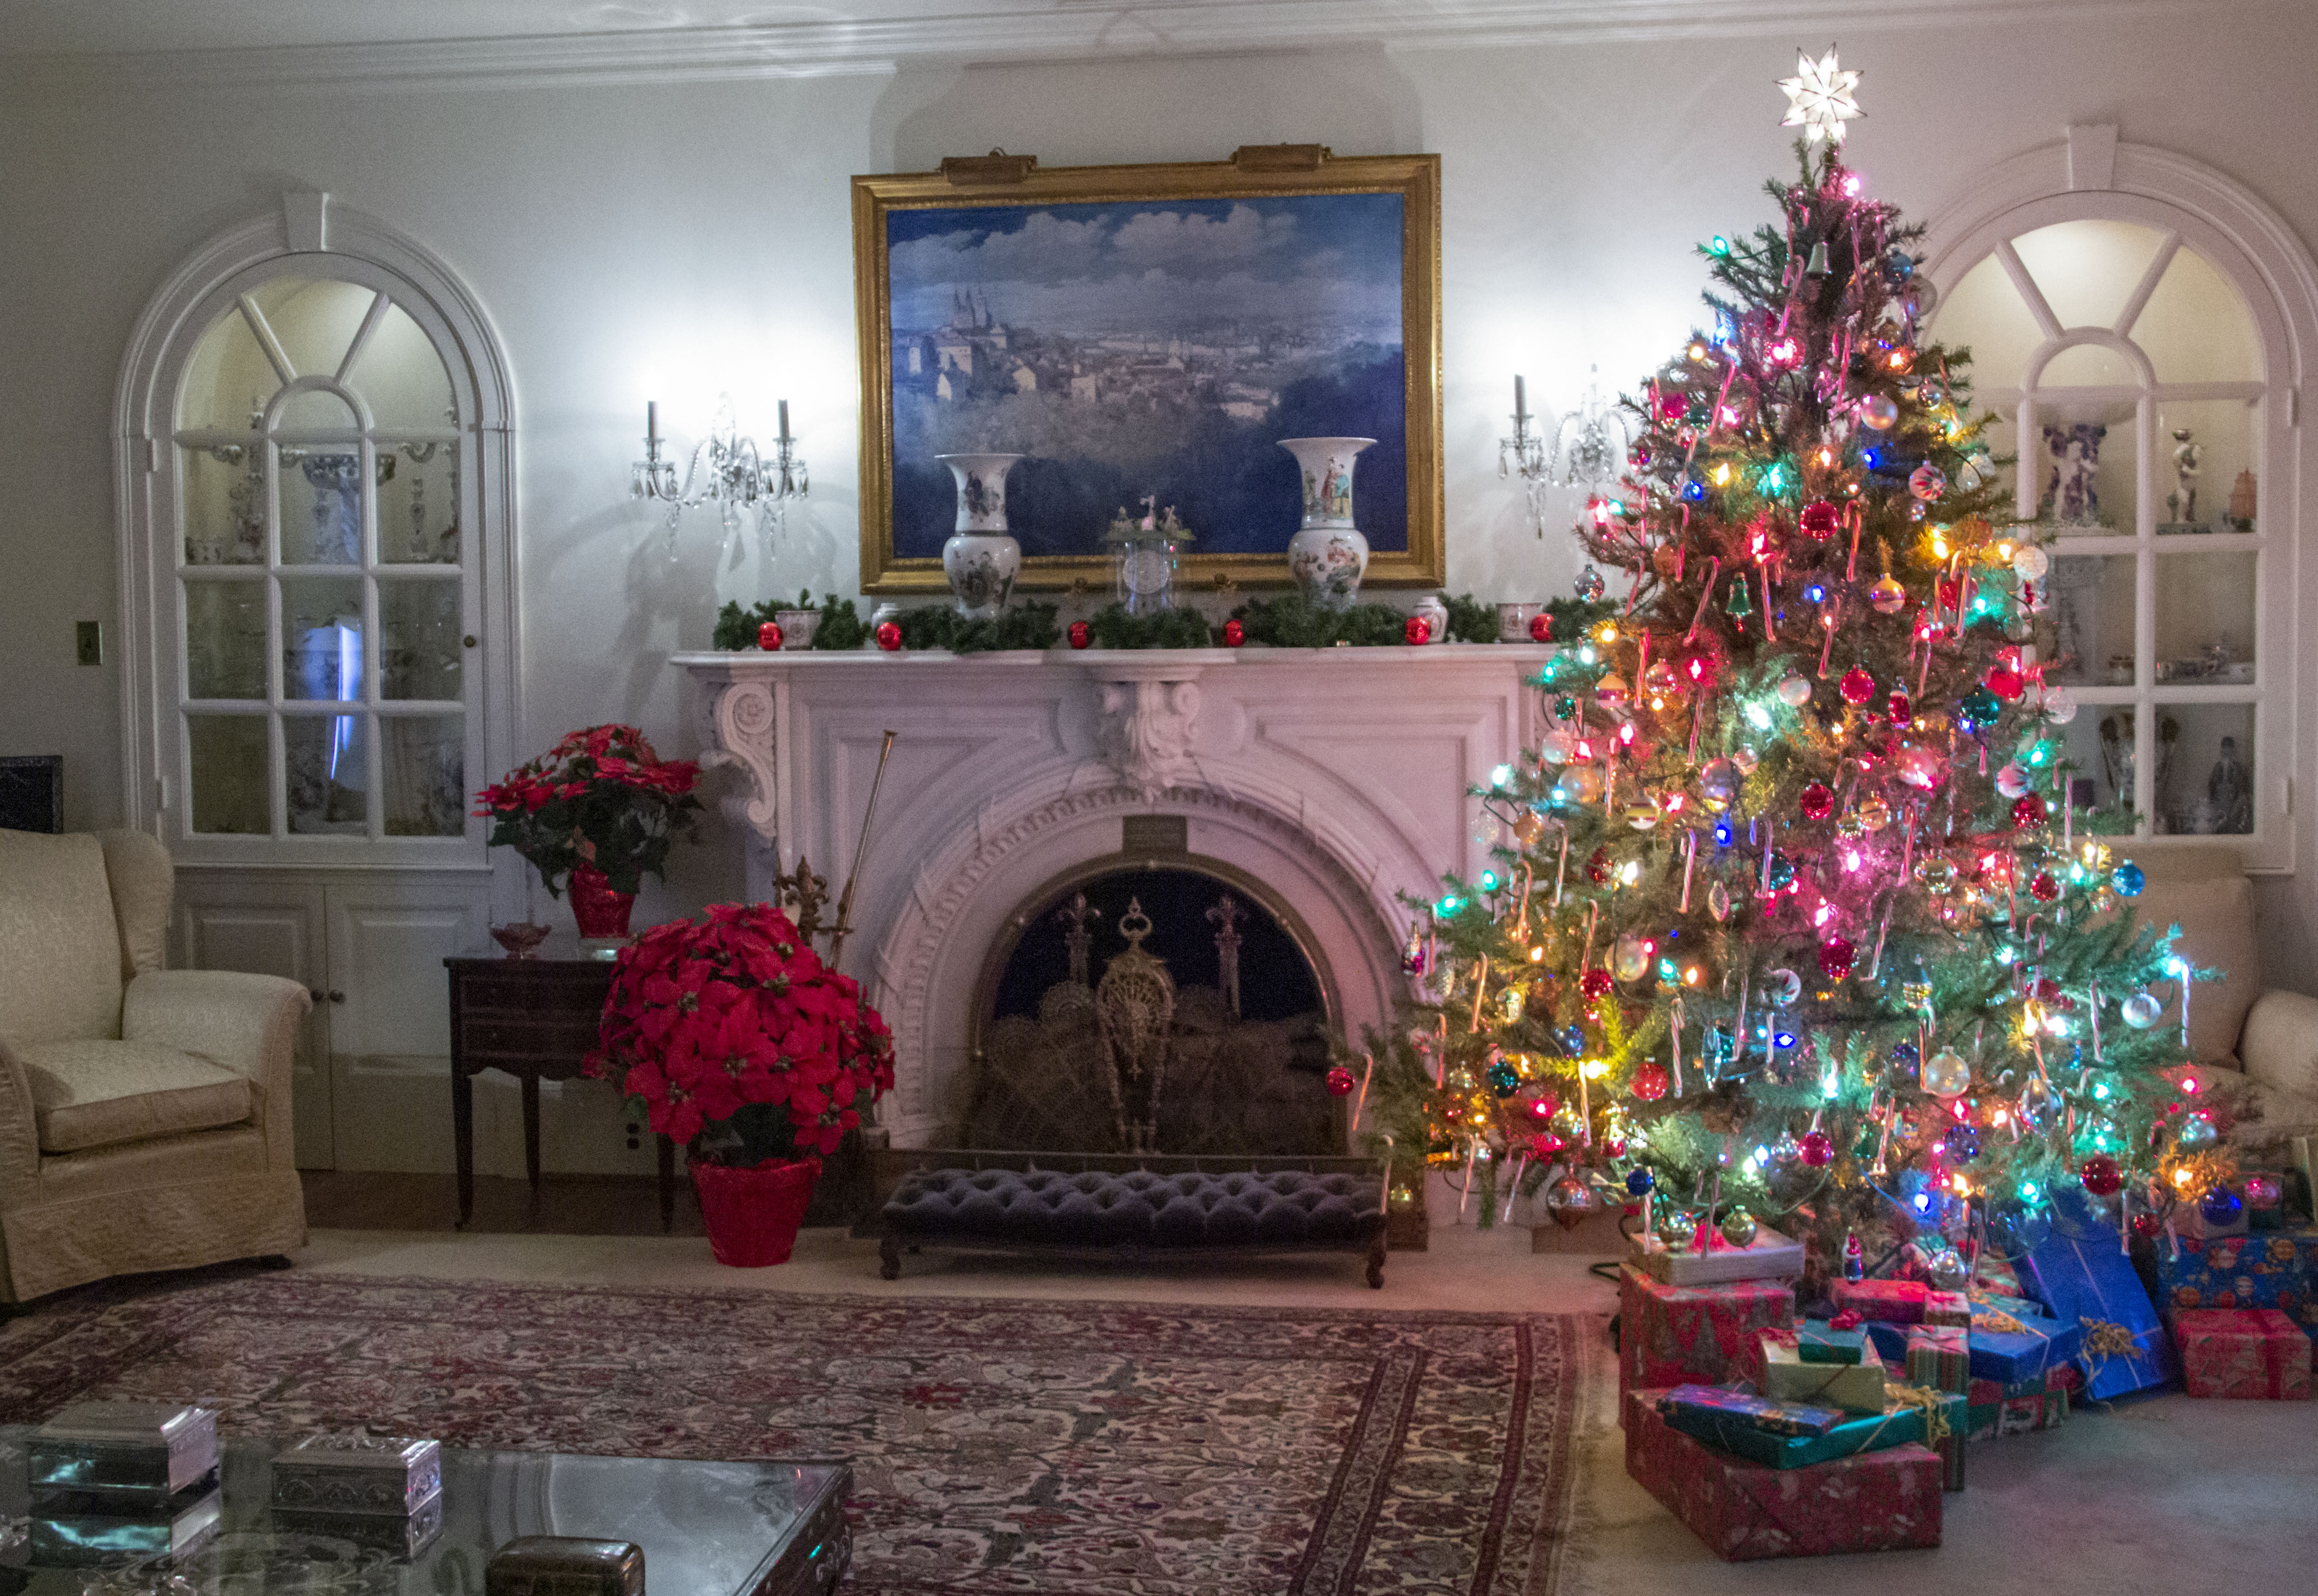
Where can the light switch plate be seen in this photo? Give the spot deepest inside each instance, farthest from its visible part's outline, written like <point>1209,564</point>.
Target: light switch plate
<point>88,641</point>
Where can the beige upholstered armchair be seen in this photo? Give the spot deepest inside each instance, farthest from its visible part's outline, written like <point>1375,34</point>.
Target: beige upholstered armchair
<point>144,1112</point>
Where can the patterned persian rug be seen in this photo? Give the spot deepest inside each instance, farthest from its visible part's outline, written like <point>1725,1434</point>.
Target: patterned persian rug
<point>1093,1449</point>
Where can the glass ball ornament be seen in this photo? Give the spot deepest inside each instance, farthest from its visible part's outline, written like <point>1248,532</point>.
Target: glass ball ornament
<point>1529,826</point>
<point>1340,1080</point>
<point>1640,1182</point>
<point>1738,1228</point>
<point>1649,1082</point>
<point>2029,813</point>
<point>1581,784</point>
<point>1718,902</point>
<point>1503,1079</point>
<point>1234,634</point>
<point>2196,1134</point>
<point>1836,956</point>
<point>1888,595</point>
<point>1962,1142</point>
<point>2011,780</point>
<point>1819,520</point>
<point>1927,482</point>
<point>1875,815</point>
<point>1848,826</point>
<point>1630,957</point>
<point>1416,630</point>
<point>2036,1099</point>
<point>1817,801</point>
<point>2128,879</point>
<point>1937,873</point>
<point>1573,1040</point>
<point>769,637</point>
<point>1543,1107</point>
<point>1541,629</point>
<point>2140,1011</point>
<point>2221,1206</point>
<point>1781,988</point>
<point>2005,682</point>
<point>1718,784</point>
<point>889,636</point>
<point>1781,872</point>
<point>1946,1268</point>
<point>1900,708</point>
<point>2101,1175</point>
<point>1569,1200</point>
<point>1980,707</point>
<point>1878,411</point>
<point>1589,585</point>
<point>2060,705</point>
<point>1596,984</point>
<point>2031,562</point>
<point>1677,1228</point>
<point>1817,1149</point>
<point>1597,866</point>
<point>1794,691</point>
<point>1856,687</point>
<point>2146,1227</point>
<point>1920,766</point>
<point>1946,1075</point>
<point>2263,1191</point>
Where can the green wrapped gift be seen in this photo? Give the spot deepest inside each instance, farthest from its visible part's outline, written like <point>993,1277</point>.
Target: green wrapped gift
<point>1818,1341</point>
<point>1896,1425</point>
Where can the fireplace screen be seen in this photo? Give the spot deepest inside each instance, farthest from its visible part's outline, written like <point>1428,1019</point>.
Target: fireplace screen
<point>1151,1011</point>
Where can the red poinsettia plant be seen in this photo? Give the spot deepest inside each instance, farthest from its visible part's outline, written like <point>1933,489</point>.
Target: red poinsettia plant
<point>601,798</point>
<point>736,1038</point>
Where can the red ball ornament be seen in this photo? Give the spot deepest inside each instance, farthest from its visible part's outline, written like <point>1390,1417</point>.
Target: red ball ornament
<point>1596,984</point>
<point>768,636</point>
<point>1649,1082</point>
<point>1544,1145</point>
<point>2145,1226</point>
<point>1951,593</point>
<point>1081,634</point>
<point>1673,404</point>
<point>2046,989</point>
<point>1819,520</point>
<point>1540,628</point>
<point>889,636</point>
<point>2101,1176</point>
<point>1597,868</point>
<point>1234,634</point>
<point>1417,629</point>
<point>2043,887</point>
<point>1836,956</point>
<point>1340,1082</point>
<point>2028,811</point>
<point>2005,682</point>
<point>1817,1149</point>
<point>1817,802</point>
<point>1856,687</point>
<point>1901,711</point>
<point>1544,1106</point>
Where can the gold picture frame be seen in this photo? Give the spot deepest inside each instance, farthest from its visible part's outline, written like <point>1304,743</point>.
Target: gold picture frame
<point>1251,204</point>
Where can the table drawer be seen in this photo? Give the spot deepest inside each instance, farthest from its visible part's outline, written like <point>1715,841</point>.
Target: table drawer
<point>541,1036</point>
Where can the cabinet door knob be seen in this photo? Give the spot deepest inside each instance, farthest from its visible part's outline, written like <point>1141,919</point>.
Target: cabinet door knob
<point>469,639</point>
<point>316,994</point>
<point>337,997</point>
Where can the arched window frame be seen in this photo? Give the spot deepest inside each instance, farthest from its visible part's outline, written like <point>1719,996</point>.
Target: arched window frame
<point>308,236</point>
<point>2092,176</point>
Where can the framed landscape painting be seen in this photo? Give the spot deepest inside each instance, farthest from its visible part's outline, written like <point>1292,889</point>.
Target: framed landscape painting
<point>1150,332</point>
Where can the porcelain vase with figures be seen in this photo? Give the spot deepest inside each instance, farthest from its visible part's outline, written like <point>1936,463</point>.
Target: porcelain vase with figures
<point>1327,556</point>
<point>980,558</point>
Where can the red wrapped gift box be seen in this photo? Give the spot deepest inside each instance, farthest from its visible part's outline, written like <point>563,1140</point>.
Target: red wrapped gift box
<point>1894,1302</point>
<point>1705,1335</point>
<point>2251,1352</point>
<point>1875,1502</point>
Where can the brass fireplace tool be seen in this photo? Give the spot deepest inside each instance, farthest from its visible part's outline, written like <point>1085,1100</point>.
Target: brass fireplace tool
<point>803,892</point>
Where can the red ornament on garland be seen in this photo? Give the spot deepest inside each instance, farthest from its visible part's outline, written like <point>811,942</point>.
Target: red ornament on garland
<point>1597,868</point>
<point>1817,1149</point>
<point>1817,802</point>
<point>2101,1176</point>
<point>2043,887</point>
<point>2028,811</point>
<point>1417,629</point>
<point>1856,687</point>
<point>1540,628</point>
<point>1544,1106</point>
<point>1951,593</point>
<point>1836,956</point>
<point>768,636</point>
<point>1081,634</point>
<point>1340,1082</point>
<point>1544,1145</point>
<point>2145,1226</point>
<point>1649,1082</point>
<point>1596,984</point>
<point>889,636</point>
<point>1901,711</point>
<point>1234,634</point>
<point>1819,520</point>
<point>2005,682</point>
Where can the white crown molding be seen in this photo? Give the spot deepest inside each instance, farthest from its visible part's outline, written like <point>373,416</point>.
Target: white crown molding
<point>1000,33</point>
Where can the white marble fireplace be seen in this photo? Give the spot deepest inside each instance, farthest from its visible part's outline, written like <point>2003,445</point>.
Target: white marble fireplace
<point>1334,780</point>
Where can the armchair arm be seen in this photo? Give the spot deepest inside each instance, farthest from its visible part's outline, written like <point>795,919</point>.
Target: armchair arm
<point>2279,1045</point>
<point>20,1135</point>
<point>247,1023</point>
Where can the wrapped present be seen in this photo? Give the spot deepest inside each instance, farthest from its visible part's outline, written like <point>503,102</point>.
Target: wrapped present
<point>2086,1280</point>
<point>1855,1387</point>
<point>1899,1424</point>
<point>1776,1418</point>
<point>1892,1301</point>
<point>1993,1272</point>
<point>1951,1308</point>
<point>1993,1409</point>
<point>1938,1356</point>
<point>1818,1341</point>
<point>1673,1335</point>
<point>2011,1348</point>
<point>1770,1256</point>
<point>2254,1352</point>
<point>1875,1502</point>
<point>2275,1269</point>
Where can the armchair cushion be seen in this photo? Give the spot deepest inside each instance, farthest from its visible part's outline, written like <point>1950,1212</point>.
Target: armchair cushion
<point>2280,1052</point>
<point>2211,900</point>
<point>60,951</point>
<point>91,1093</point>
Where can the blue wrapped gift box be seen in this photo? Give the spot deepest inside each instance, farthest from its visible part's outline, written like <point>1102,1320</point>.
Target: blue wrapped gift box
<point>2012,1348</point>
<point>2274,1269</point>
<point>2086,1280</point>
<point>1895,1426</point>
<point>1764,1414</point>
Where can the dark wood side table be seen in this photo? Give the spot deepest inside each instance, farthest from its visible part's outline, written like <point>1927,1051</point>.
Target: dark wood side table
<point>534,1019</point>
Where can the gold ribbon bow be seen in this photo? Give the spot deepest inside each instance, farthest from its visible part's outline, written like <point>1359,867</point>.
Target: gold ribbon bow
<point>1934,1403</point>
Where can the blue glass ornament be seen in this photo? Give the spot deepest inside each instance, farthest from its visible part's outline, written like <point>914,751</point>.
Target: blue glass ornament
<point>1899,267</point>
<point>1640,1181</point>
<point>1963,1143</point>
<point>1904,1055</point>
<point>1503,1079</point>
<point>2128,879</point>
<point>1980,707</point>
<point>1573,1040</point>
<point>1782,872</point>
<point>2220,1205</point>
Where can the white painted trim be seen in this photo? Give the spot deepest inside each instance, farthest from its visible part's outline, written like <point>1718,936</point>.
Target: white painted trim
<point>995,31</point>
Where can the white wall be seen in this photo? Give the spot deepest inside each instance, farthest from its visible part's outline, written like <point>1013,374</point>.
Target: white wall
<point>674,239</point>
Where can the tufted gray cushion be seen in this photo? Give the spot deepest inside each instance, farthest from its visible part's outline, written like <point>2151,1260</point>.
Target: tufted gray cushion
<point>1285,1208</point>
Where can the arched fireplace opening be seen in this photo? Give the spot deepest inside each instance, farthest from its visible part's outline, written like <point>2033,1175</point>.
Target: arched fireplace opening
<point>1139,1007</point>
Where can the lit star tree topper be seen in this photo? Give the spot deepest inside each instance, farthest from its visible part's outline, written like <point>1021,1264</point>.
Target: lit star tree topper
<point>1821,96</point>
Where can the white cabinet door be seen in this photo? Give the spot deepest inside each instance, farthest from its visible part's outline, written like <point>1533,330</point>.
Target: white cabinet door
<point>270,928</point>
<point>390,1031</point>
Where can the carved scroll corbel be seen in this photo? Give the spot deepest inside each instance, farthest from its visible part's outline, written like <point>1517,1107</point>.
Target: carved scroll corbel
<point>745,718</point>
<point>1147,728</point>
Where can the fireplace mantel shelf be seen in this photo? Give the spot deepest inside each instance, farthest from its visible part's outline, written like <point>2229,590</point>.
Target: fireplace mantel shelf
<point>1143,661</point>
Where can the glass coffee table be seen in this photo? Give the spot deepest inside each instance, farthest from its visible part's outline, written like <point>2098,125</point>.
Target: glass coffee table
<point>706,1530</point>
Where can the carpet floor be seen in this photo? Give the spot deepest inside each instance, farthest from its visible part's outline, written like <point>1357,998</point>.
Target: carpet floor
<point>999,1446</point>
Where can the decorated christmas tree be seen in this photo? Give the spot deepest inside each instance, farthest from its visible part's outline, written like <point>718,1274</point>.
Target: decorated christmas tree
<point>1791,919</point>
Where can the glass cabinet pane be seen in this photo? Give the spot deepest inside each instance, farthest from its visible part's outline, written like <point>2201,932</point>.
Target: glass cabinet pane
<point>314,318</point>
<point>2093,776</point>
<point>321,506</point>
<point>2086,633</point>
<point>425,760</point>
<point>419,504</point>
<point>230,774</point>
<point>2088,365</point>
<point>2115,750</point>
<point>402,378</point>
<point>2085,463</point>
<point>2087,270</point>
<point>418,631</point>
<point>312,410</point>
<point>2206,467</point>
<point>326,761</point>
<point>1985,314</point>
<point>225,639</point>
<point>321,637</point>
<point>224,505</point>
<point>2197,328</point>
<point>2205,770</point>
<point>2204,617</point>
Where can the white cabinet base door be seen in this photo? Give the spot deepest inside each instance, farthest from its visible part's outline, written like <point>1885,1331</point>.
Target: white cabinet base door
<point>390,1034</point>
<point>269,928</point>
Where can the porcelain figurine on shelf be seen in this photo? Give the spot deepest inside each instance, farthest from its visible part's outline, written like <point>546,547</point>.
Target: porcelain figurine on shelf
<point>980,558</point>
<point>1327,556</point>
